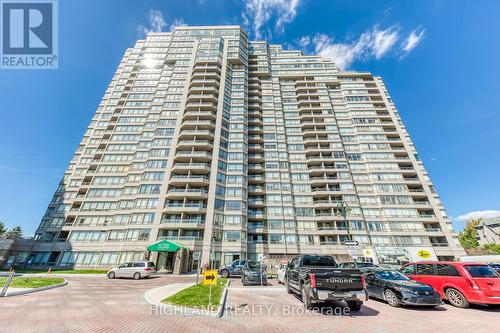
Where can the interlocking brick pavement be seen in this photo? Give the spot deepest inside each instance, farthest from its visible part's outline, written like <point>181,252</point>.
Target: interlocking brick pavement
<point>96,304</point>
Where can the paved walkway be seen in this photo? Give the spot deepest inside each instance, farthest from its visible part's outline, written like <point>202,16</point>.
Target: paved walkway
<point>102,305</point>
<point>156,295</point>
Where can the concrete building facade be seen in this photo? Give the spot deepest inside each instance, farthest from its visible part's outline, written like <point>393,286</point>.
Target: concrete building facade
<point>235,149</point>
<point>488,231</point>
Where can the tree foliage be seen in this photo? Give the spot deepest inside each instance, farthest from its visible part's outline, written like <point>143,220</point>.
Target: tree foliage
<point>468,237</point>
<point>3,228</point>
<point>492,248</point>
<point>14,233</point>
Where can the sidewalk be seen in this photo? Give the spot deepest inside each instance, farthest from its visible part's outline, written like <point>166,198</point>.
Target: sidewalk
<point>156,295</point>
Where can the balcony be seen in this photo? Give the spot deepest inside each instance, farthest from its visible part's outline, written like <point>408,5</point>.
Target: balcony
<point>189,179</point>
<point>185,155</point>
<point>200,134</point>
<point>207,144</point>
<point>187,193</point>
<point>200,115</point>
<point>198,124</point>
<point>179,222</point>
<point>186,207</point>
<point>191,166</point>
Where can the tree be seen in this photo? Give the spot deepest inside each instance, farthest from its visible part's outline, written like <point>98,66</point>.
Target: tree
<point>3,229</point>
<point>14,233</point>
<point>492,248</point>
<point>468,237</point>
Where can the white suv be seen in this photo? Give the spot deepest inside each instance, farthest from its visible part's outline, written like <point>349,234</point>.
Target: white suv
<point>133,269</point>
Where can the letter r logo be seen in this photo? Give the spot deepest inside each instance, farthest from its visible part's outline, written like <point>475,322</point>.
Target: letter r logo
<point>27,27</point>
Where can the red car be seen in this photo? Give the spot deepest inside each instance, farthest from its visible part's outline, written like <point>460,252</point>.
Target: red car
<point>458,282</point>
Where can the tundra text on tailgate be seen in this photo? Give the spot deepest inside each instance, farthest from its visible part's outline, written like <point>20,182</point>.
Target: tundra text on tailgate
<point>318,278</point>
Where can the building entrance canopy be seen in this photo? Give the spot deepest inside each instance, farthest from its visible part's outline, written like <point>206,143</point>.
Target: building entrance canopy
<point>164,246</point>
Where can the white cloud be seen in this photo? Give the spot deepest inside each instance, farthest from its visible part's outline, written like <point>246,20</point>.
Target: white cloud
<point>259,13</point>
<point>177,23</point>
<point>304,42</point>
<point>157,23</point>
<point>479,214</point>
<point>372,43</point>
<point>413,39</point>
<point>383,40</point>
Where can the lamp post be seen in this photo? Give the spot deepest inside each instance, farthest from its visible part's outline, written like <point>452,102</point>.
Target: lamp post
<point>344,210</point>
<point>1,255</point>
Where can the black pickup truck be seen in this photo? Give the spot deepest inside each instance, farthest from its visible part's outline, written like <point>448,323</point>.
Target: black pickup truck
<point>318,278</point>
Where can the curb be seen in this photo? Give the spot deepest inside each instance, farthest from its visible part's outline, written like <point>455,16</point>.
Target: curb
<point>223,300</point>
<point>34,290</point>
<point>193,311</point>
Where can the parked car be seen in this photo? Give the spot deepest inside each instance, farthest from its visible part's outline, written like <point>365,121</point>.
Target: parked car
<point>355,264</point>
<point>133,269</point>
<point>234,269</point>
<point>495,266</point>
<point>397,289</point>
<point>281,271</point>
<point>460,283</point>
<point>254,272</point>
<point>318,278</point>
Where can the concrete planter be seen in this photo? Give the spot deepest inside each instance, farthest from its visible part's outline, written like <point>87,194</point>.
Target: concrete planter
<point>34,290</point>
<point>155,296</point>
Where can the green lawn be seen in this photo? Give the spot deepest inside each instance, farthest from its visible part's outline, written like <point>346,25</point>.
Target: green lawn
<point>31,282</point>
<point>62,271</point>
<point>198,295</point>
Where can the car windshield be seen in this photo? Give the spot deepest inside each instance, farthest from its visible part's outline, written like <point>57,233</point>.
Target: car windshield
<point>365,264</point>
<point>254,265</point>
<point>391,275</point>
<point>319,261</point>
<point>479,271</point>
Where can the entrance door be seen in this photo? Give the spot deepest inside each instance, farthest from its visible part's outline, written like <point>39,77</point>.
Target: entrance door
<point>53,258</point>
<point>162,261</point>
<point>170,261</point>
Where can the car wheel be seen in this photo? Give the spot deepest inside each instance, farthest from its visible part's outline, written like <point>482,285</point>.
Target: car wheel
<point>306,298</point>
<point>224,273</point>
<point>456,298</point>
<point>354,305</point>
<point>111,275</point>
<point>288,289</point>
<point>391,298</point>
<point>137,276</point>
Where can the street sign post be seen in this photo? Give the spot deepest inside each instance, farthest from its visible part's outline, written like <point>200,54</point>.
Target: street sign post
<point>210,277</point>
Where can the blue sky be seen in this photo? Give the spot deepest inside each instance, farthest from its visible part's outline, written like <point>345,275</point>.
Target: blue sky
<point>439,60</point>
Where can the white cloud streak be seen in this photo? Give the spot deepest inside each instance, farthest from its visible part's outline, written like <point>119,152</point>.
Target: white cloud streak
<point>157,23</point>
<point>259,12</point>
<point>478,214</point>
<point>384,40</point>
<point>413,39</point>
<point>372,43</point>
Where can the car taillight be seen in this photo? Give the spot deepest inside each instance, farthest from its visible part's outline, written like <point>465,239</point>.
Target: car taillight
<point>313,280</point>
<point>147,269</point>
<point>363,281</point>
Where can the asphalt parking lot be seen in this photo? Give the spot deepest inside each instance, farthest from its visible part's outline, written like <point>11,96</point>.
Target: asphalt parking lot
<point>96,304</point>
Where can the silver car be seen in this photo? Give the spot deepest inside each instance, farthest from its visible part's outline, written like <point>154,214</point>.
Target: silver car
<point>281,272</point>
<point>133,269</point>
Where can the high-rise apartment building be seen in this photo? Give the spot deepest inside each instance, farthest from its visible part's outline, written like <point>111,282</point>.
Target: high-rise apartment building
<point>235,149</point>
